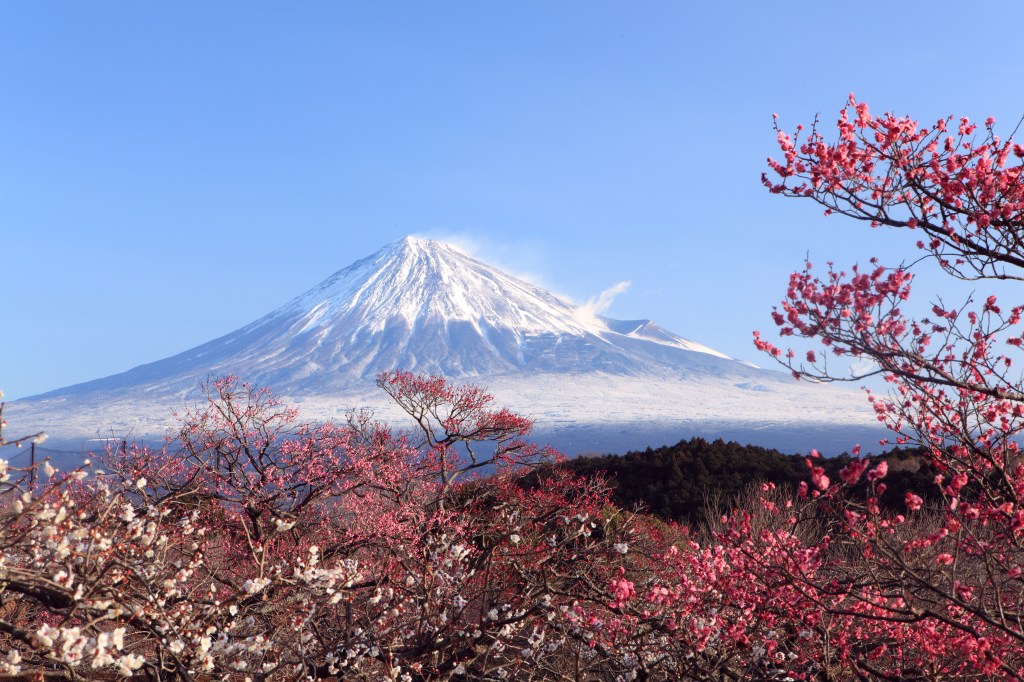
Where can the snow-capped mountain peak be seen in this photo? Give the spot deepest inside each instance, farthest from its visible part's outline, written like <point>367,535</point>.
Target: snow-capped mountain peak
<point>425,306</point>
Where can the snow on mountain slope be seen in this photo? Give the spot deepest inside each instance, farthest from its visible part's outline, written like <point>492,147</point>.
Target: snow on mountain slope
<point>427,306</point>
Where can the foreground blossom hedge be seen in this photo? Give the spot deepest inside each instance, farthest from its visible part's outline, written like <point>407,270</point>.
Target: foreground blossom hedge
<point>257,547</point>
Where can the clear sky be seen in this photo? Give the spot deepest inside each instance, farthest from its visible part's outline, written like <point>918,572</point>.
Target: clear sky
<point>171,171</point>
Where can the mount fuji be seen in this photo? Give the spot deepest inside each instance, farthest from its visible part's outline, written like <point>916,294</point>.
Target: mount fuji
<point>592,383</point>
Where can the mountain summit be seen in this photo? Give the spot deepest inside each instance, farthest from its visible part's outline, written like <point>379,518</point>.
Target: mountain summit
<point>428,307</point>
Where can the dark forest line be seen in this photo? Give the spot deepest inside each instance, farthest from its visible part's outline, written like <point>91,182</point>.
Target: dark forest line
<point>687,481</point>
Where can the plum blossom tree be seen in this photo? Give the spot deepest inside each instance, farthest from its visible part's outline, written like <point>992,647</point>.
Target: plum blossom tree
<point>254,546</point>
<point>933,592</point>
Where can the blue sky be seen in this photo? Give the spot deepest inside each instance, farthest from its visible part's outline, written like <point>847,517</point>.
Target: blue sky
<point>171,171</point>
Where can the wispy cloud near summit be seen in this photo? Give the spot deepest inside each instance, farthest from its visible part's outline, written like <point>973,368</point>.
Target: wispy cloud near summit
<point>588,312</point>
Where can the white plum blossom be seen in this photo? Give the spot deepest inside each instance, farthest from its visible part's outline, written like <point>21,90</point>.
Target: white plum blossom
<point>254,585</point>
<point>283,525</point>
<point>127,664</point>
<point>10,665</point>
